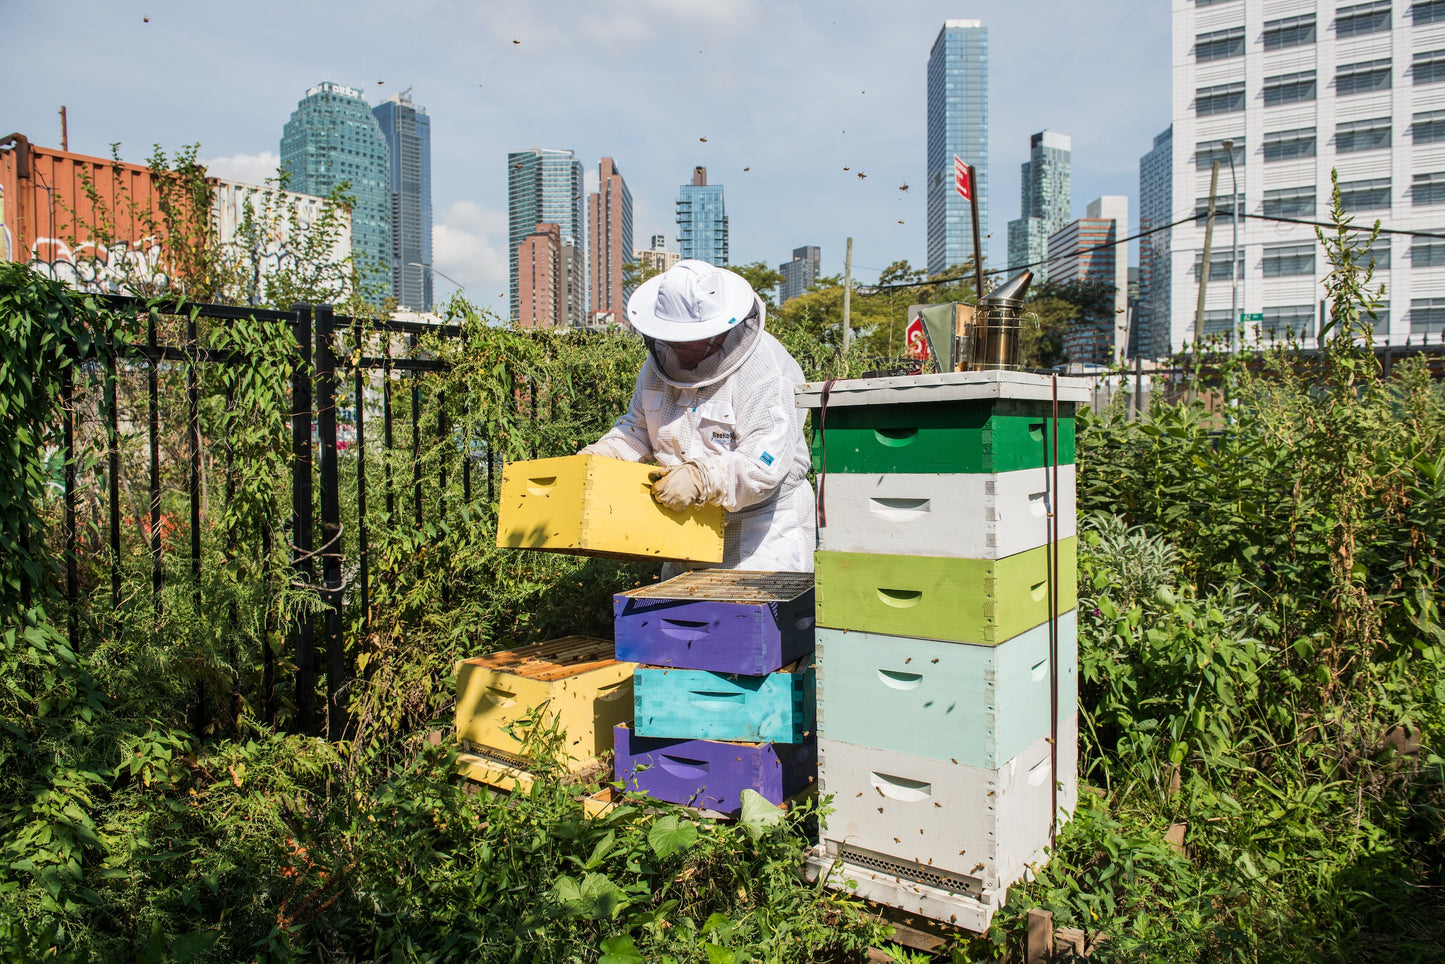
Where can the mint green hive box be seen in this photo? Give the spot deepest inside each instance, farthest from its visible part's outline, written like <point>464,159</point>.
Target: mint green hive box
<point>953,422</point>
<point>978,706</point>
<point>984,601</point>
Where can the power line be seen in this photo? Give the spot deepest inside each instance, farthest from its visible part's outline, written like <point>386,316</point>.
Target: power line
<point>1199,216</point>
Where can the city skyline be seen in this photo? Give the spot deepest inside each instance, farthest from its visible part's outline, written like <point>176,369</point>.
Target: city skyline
<point>862,65</point>
<point>407,130</point>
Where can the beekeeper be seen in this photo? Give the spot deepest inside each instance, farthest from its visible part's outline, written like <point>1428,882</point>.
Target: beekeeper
<point>714,408</point>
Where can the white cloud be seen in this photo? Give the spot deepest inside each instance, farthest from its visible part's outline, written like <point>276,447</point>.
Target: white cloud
<point>469,242</point>
<point>246,168</point>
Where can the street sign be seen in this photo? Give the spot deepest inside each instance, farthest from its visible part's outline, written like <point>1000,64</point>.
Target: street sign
<point>1252,316</point>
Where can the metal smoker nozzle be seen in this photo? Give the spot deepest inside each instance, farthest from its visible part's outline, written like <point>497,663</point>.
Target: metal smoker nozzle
<point>1011,290</point>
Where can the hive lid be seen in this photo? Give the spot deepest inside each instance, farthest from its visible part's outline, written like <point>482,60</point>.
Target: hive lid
<point>552,660</point>
<point>945,387</point>
<point>728,585</point>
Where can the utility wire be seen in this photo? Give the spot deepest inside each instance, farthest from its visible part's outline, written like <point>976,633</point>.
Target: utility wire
<point>1200,216</point>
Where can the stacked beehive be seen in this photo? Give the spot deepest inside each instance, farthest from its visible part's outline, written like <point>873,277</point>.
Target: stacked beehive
<point>725,699</point>
<point>947,734</point>
<point>508,703</point>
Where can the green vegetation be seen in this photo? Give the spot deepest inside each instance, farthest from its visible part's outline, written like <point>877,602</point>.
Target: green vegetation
<point>1262,663</point>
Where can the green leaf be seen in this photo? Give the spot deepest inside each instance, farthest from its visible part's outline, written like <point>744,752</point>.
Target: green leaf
<point>620,949</point>
<point>758,816</point>
<point>669,835</point>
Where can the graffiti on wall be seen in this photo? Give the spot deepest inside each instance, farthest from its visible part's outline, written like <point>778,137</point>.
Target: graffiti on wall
<point>120,268</point>
<point>6,244</point>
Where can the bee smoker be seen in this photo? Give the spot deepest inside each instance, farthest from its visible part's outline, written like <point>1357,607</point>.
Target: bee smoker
<point>999,325</point>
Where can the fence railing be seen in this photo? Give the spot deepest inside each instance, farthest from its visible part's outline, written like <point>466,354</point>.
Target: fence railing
<point>314,529</point>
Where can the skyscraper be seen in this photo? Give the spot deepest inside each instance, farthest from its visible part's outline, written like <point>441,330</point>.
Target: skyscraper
<point>609,237</point>
<point>702,222</point>
<point>957,124</point>
<point>1084,250</point>
<point>407,130</point>
<point>544,186</point>
<point>332,138</point>
<point>799,273</point>
<point>1156,198</point>
<point>1046,201</point>
<point>1299,89</point>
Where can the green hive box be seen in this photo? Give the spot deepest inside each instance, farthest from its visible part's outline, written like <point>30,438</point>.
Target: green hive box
<point>954,422</point>
<point>983,601</point>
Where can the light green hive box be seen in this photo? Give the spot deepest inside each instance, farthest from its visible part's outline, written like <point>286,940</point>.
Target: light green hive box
<point>983,601</point>
<point>979,706</point>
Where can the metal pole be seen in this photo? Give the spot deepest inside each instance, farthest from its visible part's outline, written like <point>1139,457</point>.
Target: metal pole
<point>72,573</point>
<point>326,389</point>
<point>193,432</point>
<point>1208,249</point>
<point>977,243</point>
<point>154,427</point>
<point>363,550</point>
<point>301,523</point>
<point>1234,318</point>
<point>112,431</point>
<point>847,297</point>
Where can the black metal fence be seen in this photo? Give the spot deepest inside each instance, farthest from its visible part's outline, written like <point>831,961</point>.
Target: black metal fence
<point>320,372</point>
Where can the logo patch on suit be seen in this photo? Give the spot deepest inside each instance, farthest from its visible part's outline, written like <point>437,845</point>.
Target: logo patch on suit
<point>720,436</point>
<point>767,458</point>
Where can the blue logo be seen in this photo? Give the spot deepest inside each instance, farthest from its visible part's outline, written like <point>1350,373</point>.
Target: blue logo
<point>767,459</point>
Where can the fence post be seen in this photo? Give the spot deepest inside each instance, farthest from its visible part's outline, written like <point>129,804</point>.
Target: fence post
<point>193,437</point>
<point>301,522</point>
<point>154,427</point>
<point>72,574</point>
<point>326,389</point>
<point>362,546</point>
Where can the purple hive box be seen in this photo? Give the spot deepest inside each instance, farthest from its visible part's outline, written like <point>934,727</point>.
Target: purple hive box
<point>751,623</point>
<point>712,775</point>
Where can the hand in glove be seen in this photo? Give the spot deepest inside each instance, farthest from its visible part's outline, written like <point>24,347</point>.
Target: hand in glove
<point>678,489</point>
<point>596,448</point>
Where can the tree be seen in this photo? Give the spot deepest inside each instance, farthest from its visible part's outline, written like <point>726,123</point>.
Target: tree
<point>765,281</point>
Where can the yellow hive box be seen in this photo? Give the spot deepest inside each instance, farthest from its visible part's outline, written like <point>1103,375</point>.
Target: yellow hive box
<point>592,505</point>
<point>586,691</point>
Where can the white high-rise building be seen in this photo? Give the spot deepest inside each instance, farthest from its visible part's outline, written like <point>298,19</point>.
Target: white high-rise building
<point>1299,87</point>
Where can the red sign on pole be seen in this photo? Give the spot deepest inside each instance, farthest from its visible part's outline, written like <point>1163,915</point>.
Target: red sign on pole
<point>960,178</point>
<point>914,340</point>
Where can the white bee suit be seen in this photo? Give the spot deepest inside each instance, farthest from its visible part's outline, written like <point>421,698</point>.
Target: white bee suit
<point>735,418</point>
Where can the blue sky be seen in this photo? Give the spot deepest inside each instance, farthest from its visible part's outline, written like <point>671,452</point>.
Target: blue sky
<point>787,94</point>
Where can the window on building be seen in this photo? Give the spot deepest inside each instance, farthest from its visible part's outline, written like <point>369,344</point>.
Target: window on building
<point>1288,321</point>
<point>1289,202</point>
<point>1428,189</point>
<point>1371,195</point>
<point>1219,45</point>
<point>1207,152</point>
<point>1289,88</point>
<point>1362,77</point>
<point>1362,18</point>
<point>1288,145</point>
<point>1219,263</point>
<point>1428,127</point>
<point>1427,254</point>
<point>1362,135</point>
<point>1291,32</point>
<point>1218,321</point>
<point>1285,260</point>
<point>1428,67</point>
<point>1427,11</point>
<point>1379,253</point>
<point>1208,3</point>
<point>1222,207</point>
<point>1427,316</point>
<point>1220,99</point>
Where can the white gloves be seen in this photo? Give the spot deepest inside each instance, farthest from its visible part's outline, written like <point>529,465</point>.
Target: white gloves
<point>596,448</point>
<point>680,488</point>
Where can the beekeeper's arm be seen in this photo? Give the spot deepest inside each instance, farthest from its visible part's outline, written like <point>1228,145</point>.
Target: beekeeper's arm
<point>627,439</point>
<point>769,429</point>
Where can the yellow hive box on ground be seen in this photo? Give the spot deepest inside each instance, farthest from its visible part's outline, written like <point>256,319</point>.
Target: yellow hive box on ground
<point>585,691</point>
<point>592,505</point>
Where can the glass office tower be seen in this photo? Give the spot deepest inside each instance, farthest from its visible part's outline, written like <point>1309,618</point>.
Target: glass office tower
<point>957,124</point>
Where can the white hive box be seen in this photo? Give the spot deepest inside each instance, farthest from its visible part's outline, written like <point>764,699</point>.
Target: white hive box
<point>970,515</point>
<point>976,827</point>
